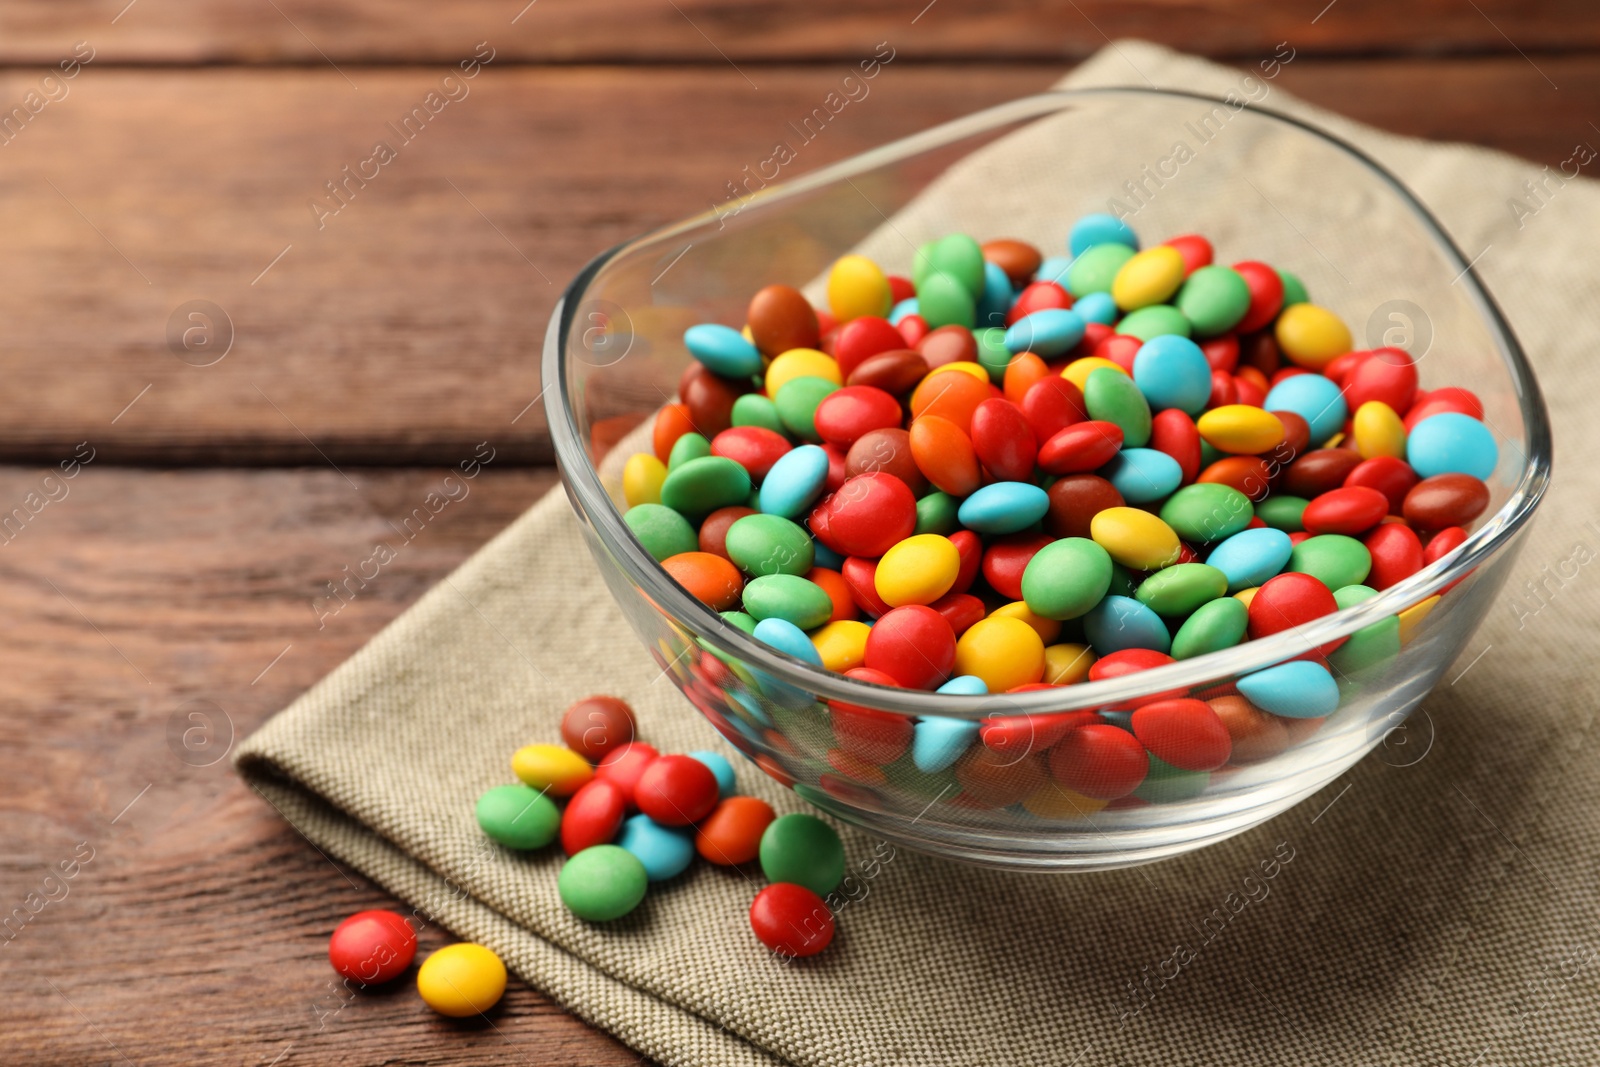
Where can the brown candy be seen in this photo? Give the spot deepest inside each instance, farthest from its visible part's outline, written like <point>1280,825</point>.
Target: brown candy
<point>994,779</point>
<point>1319,471</point>
<point>948,344</point>
<point>781,318</point>
<point>1256,734</point>
<point>596,726</point>
<point>709,400</point>
<point>1018,259</point>
<point>889,451</point>
<point>1075,500</point>
<point>896,371</point>
<point>1445,500</point>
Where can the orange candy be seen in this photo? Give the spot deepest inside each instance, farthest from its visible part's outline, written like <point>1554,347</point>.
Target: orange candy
<point>944,454</point>
<point>712,580</point>
<point>731,834</point>
<point>951,395</point>
<point>1021,374</point>
<point>1248,474</point>
<point>672,422</point>
<point>838,590</point>
<point>1256,735</point>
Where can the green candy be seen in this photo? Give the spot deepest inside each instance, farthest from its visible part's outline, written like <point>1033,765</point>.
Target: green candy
<point>936,514</point>
<point>1110,396</point>
<point>788,597</point>
<point>700,486</point>
<point>1165,784</point>
<point>519,816</point>
<point>1213,627</point>
<point>602,883</point>
<point>1180,589</point>
<point>739,619</point>
<point>1207,511</point>
<point>690,446</point>
<point>769,544</point>
<point>993,353</point>
<point>1294,290</point>
<point>1371,646</point>
<point>797,405</point>
<point>1066,578</point>
<point>1157,320</point>
<point>662,531</point>
<point>1209,453</point>
<point>1283,512</point>
<point>956,255</point>
<point>1122,583</point>
<point>942,300</point>
<point>753,409</point>
<point>1333,559</point>
<point>802,850</point>
<point>1213,299</point>
<point>1094,271</point>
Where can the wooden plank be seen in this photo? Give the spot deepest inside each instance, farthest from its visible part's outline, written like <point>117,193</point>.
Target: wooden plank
<point>715,31</point>
<point>408,328</point>
<point>198,929</point>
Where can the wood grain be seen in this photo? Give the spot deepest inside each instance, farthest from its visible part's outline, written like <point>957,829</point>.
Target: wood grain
<point>409,326</point>
<point>722,31</point>
<point>197,931</point>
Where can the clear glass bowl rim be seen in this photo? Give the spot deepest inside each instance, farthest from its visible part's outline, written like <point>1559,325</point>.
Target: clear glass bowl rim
<point>594,504</point>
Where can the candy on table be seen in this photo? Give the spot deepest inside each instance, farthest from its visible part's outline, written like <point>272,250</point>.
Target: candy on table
<point>462,980</point>
<point>372,947</point>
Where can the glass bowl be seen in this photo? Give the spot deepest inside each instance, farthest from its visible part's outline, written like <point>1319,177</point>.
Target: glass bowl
<point>1260,186</point>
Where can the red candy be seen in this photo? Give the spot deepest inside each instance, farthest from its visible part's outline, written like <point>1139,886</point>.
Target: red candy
<point>845,415</point>
<point>860,339</point>
<point>1185,733</point>
<point>1287,601</point>
<point>372,947</point>
<point>1386,374</point>
<point>1038,296</point>
<point>960,610</point>
<point>1099,761</point>
<point>1018,735</point>
<point>1390,476</point>
<point>860,575</point>
<point>1266,294</point>
<point>1006,559</point>
<point>1194,250</point>
<point>1172,431</point>
<point>791,920</point>
<point>1351,510</point>
<point>1396,554</point>
<point>593,815</point>
<point>675,790</point>
<point>755,448</point>
<point>1081,448</point>
<point>914,645</point>
<point>625,765</point>
<point>867,516</point>
<point>1002,440</point>
<point>1051,405</point>
<point>878,737</point>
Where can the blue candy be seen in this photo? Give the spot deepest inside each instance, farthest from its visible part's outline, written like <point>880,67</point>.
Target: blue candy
<point>794,482</point>
<point>665,851</point>
<point>823,556</point>
<point>1172,372</point>
<point>785,636</point>
<point>1452,443</point>
<point>1097,307</point>
<point>1250,557</point>
<point>1050,332</point>
<point>996,298</point>
<point>1003,507</point>
<point>1120,622</point>
<point>1143,474</point>
<point>938,742</point>
<point>1298,689</point>
<point>1314,398</point>
<point>908,306</point>
<point>723,350</point>
<point>1100,229</point>
<point>721,769</point>
<point>1054,269</point>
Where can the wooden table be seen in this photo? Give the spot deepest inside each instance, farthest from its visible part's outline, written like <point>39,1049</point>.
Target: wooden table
<point>158,602</point>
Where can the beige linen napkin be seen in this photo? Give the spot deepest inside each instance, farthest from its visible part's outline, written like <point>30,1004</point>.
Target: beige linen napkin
<point>1439,910</point>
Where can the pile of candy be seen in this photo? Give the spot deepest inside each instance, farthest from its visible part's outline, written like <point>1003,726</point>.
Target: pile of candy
<point>1007,473</point>
<point>634,817</point>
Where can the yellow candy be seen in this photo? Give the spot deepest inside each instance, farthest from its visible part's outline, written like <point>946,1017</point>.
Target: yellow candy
<point>1311,336</point>
<point>1067,664</point>
<point>1047,629</point>
<point>1412,617</point>
<point>1052,801</point>
<point>1135,538</point>
<point>1244,596</point>
<point>461,980</point>
<point>801,363</point>
<point>1005,653</point>
<point>965,367</point>
<point>918,570</point>
<point>1241,429</point>
<point>1150,277</point>
<point>642,476</point>
<point>1077,372</point>
<point>556,770</point>
<point>1379,431</point>
<point>842,645</point>
<point>857,287</point>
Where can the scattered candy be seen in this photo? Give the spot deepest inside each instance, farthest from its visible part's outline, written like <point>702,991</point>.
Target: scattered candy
<point>462,980</point>
<point>372,947</point>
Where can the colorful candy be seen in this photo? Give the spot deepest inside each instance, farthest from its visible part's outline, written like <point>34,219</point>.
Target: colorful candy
<point>462,980</point>
<point>372,947</point>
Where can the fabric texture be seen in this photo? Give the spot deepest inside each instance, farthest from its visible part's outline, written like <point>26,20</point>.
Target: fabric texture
<point>1423,911</point>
